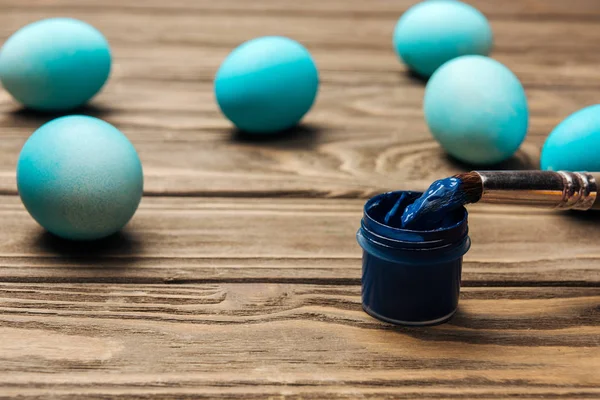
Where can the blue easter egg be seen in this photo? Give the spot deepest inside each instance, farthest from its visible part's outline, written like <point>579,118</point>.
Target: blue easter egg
<point>267,84</point>
<point>80,178</point>
<point>433,32</point>
<point>573,144</point>
<point>476,108</point>
<point>55,64</point>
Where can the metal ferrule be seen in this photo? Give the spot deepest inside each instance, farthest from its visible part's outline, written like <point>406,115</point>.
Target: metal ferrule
<point>564,190</point>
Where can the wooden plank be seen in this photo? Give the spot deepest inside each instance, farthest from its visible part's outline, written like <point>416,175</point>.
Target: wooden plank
<point>192,46</point>
<point>343,66</point>
<point>254,297</point>
<point>355,142</point>
<point>292,341</point>
<point>178,240</point>
<point>324,31</point>
<point>366,133</point>
<point>514,9</point>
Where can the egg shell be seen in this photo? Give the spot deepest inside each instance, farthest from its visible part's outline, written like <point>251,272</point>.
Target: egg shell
<point>55,64</point>
<point>573,145</point>
<point>267,84</point>
<point>476,108</point>
<point>433,32</point>
<point>80,178</point>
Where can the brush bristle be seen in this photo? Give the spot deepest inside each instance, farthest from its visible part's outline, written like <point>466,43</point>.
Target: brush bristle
<point>472,186</point>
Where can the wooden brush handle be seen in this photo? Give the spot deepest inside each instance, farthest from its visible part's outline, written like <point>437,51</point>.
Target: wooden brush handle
<point>565,190</point>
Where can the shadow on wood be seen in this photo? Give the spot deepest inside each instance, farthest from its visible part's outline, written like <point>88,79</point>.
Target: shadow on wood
<point>579,315</point>
<point>519,161</point>
<point>301,137</point>
<point>414,77</point>
<point>494,328</point>
<point>118,243</point>
<point>26,117</point>
<point>585,217</point>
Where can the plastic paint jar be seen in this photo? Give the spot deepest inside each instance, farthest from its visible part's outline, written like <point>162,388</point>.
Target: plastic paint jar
<point>411,277</point>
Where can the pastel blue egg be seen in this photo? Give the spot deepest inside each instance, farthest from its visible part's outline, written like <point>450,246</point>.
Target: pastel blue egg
<point>476,109</point>
<point>55,64</point>
<point>573,144</point>
<point>267,84</point>
<point>433,32</point>
<point>80,178</point>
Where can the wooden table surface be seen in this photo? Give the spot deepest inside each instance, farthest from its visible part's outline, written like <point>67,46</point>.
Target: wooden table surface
<point>239,276</point>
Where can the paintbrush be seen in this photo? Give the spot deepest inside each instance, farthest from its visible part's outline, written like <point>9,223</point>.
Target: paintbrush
<point>561,190</point>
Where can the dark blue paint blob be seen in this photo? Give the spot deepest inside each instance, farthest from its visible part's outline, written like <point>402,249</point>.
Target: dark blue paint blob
<point>394,215</point>
<point>431,209</point>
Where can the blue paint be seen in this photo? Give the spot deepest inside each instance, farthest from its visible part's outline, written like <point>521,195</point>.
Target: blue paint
<point>410,277</point>
<point>431,210</point>
<point>573,144</point>
<point>394,216</point>
<point>55,64</point>
<point>476,108</point>
<point>433,32</point>
<point>267,84</point>
<point>80,178</point>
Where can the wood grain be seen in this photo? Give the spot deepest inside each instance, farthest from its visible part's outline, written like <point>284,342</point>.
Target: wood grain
<point>513,9</point>
<point>356,142</point>
<point>176,240</point>
<point>366,133</point>
<point>296,341</point>
<point>239,275</point>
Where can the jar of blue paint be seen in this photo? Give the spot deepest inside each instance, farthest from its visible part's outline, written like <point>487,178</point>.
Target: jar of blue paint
<point>411,277</point>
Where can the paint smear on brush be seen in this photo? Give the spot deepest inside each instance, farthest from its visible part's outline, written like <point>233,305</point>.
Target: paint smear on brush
<point>439,200</point>
<point>429,211</point>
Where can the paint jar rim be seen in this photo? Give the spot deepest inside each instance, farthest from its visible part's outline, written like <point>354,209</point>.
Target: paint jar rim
<point>410,246</point>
